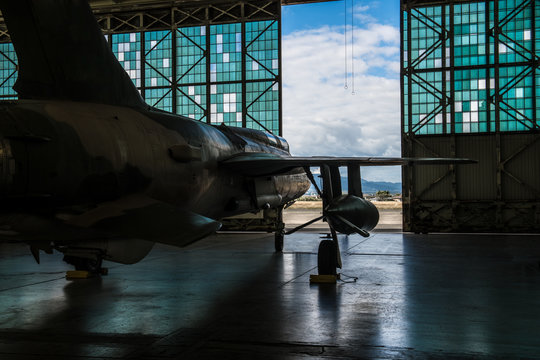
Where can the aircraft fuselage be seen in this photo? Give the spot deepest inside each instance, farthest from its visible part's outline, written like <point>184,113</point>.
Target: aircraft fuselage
<point>66,157</point>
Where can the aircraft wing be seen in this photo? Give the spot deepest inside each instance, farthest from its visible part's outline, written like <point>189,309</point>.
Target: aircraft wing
<point>260,164</point>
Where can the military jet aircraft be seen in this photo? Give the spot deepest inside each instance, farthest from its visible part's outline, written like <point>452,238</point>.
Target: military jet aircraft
<point>87,168</point>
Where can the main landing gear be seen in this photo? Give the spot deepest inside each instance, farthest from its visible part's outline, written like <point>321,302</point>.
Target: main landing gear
<point>86,267</point>
<point>279,237</point>
<point>326,258</point>
<point>328,255</point>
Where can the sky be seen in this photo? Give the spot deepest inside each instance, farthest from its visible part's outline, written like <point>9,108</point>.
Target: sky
<point>321,116</point>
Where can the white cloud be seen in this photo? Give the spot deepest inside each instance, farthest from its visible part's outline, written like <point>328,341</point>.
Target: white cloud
<point>321,117</point>
<point>361,13</point>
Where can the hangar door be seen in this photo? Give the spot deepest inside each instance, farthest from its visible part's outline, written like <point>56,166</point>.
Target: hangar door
<point>470,88</point>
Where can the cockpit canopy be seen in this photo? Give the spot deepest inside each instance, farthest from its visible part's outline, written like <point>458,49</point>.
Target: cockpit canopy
<point>256,135</point>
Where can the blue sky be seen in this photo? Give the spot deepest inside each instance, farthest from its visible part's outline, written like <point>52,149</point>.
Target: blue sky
<point>310,16</point>
<point>321,116</point>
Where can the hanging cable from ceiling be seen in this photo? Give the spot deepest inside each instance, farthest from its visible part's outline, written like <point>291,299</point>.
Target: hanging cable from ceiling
<point>349,41</point>
<point>346,45</point>
<point>352,47</point>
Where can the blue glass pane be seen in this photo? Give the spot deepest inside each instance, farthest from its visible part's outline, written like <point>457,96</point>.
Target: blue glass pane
<point>405,104</point>
<point>470,35</point>
<point>191,60</point>
<point>191,101</point>
<point>515,42</point>
<point>159,98</point>
<point>8,71</point>
<point>262,44</point>
<point>225,52</point>
<point>158,58</point>
<point>537,97</point>
<point>405,45</point>
<point>226,104</point>
<point>471,102</point>
<point>263,106</point>
<point>516,94</point>
<point>127,48</point>
<point>426,31</point>
<point>428,114</point>
<point>480,36</point>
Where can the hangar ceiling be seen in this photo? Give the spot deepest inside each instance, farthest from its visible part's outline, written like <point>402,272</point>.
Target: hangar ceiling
<point>164,16</point>
<point>122,5</point>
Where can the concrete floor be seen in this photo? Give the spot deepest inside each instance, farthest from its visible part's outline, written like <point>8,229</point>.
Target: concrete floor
<point>231,297</point>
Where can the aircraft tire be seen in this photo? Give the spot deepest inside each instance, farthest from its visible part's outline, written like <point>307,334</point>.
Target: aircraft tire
<point>327,258</point>
<point>278,241</point>
<point>85,264</point>
<point>91,265</point>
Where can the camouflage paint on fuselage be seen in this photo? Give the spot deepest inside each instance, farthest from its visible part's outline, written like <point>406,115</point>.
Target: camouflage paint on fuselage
<point>68,168</point>
<point>70,154</point>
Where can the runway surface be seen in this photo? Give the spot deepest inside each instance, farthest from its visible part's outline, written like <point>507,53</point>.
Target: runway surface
<point>390,220</point>
<point>231,297</point>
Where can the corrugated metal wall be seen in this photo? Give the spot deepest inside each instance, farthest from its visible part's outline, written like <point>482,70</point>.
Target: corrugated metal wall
<point>501,193</point>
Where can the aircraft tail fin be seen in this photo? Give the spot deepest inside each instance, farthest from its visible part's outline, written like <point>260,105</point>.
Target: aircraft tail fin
<point>63,54</point>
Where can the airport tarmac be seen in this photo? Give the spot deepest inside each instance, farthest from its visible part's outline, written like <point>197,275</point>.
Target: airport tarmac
<point>390,220</point>
<point>231,297</point>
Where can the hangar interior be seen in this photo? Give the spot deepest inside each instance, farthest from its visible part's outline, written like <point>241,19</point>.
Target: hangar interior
<point>469,88</point>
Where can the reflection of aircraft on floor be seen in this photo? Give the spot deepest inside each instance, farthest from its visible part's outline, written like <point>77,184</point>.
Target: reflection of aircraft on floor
<point>89,169</point>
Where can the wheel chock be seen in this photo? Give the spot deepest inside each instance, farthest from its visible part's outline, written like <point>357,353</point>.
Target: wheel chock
<point>323,279</point>
<point>78,274</point>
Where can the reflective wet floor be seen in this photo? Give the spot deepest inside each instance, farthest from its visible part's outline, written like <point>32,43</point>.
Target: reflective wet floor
<point>230,297</point>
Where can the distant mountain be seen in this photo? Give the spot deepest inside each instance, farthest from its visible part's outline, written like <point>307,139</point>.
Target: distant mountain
<point>368,187</point>
<point>371,187</point>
